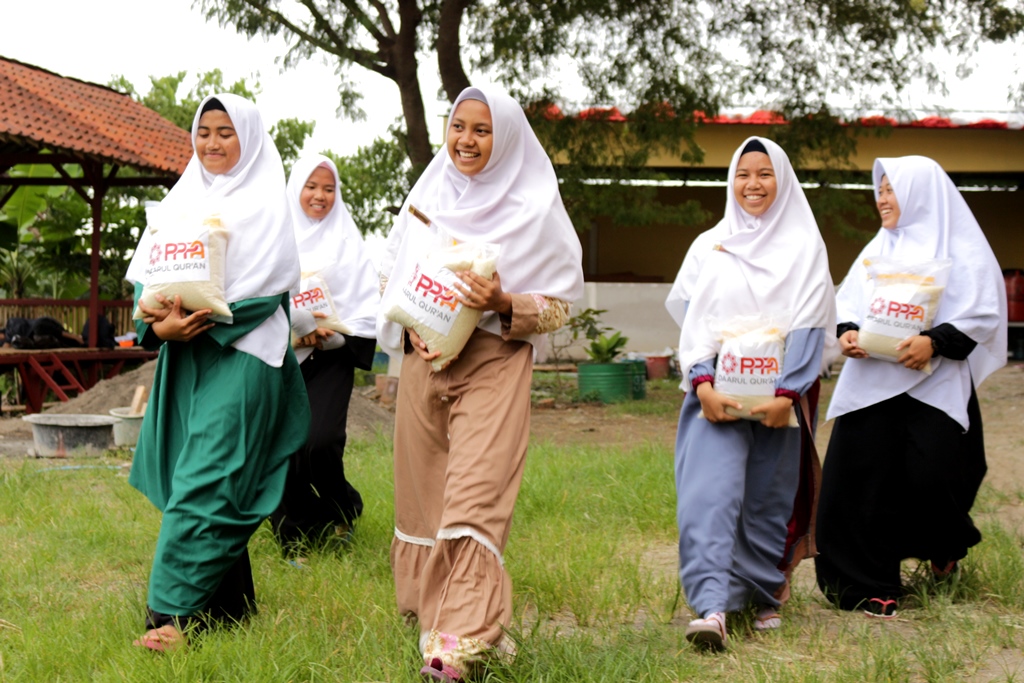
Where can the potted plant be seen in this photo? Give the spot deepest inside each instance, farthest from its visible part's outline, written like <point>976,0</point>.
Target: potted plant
<point>601,376</point>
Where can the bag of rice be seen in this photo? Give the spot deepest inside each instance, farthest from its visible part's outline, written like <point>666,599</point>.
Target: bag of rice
<point>902,298</point>
<point>315,296</point>
<point>750,361</point>
<point>421,293</point>
<point>186,259</point>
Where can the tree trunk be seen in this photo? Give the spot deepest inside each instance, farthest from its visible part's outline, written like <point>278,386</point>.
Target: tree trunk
<point>406,64</point>
<point>449,59</point>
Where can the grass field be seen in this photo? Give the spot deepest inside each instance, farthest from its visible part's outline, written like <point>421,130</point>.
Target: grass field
<point>592,561</point>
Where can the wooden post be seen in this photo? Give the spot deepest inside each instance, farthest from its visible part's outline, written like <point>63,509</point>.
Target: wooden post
<point>94,173</point>
<point>94,269</point>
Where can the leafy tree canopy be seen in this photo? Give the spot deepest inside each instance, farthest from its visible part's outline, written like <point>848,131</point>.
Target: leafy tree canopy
<point>659,60</point>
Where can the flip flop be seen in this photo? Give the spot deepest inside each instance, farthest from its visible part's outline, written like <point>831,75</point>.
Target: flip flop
<point>877,608</point>
<point>767,620</point>
<point>162,640</point>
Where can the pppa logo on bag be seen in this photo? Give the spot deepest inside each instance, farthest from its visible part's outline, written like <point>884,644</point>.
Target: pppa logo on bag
<point>443,296</point>
<point>315,296</point>
<point>896,309</point>
<point>179,261</point>
<point>750,365</point>
<point>435,297</point>
<point>308,299</point>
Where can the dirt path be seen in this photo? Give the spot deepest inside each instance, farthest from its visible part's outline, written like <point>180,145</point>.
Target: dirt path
<point>1002,406</point>
<point>1001,398</point>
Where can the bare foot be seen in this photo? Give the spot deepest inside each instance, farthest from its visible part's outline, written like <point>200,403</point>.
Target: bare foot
<point>163,639</point>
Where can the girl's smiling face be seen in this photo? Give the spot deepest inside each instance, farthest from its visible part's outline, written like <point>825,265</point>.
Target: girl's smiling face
<point>755,185</point>
<point>317,196</point>
<point>217,144</point>
<point>470,137</point>
<point>888,206</point>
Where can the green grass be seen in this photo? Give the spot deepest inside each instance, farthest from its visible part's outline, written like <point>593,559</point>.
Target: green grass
<point>592,559</point>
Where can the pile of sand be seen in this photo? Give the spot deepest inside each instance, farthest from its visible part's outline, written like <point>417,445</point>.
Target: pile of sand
<point>365,416</point>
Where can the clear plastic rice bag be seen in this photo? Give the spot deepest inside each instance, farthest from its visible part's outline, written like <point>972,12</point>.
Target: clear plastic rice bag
<point>750,360</point>
<point>902,298</point>
<point>315,296</point>
<point>186,258</point>
<point>421,294</point>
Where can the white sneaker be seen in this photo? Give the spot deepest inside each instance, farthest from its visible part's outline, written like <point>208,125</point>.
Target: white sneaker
<point>708,632</point>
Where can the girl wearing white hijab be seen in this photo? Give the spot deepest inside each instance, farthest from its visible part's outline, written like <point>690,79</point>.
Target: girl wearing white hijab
<point>461,433</point>
<point>737,480</point>
<point>906,456</point>
<point>228,405</point>
<point>319,502</point>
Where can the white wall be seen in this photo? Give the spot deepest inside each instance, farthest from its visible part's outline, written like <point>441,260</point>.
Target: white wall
<point>635,309</point>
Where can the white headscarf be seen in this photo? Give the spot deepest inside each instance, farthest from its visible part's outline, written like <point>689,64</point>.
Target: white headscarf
<point>747,265</point>
<point>935,222</point>
<point>513,202</point>
<point>262,259</point>
<point>334,246</point>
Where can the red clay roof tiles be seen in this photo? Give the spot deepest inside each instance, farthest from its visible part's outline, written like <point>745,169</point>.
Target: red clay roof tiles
<point>65,114</point>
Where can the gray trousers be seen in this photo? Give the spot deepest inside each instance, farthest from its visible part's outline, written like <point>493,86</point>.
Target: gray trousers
<point>735,484</point>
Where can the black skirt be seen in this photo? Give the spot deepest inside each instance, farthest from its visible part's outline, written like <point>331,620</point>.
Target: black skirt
<point>898,482</point>
<point>317,495</point>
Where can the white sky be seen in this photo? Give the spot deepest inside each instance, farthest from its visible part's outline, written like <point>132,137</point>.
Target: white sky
<point>99,39</point>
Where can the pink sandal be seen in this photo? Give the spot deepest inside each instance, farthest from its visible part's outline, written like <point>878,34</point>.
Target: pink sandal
<point>877,608</point>
<point>439,671</point>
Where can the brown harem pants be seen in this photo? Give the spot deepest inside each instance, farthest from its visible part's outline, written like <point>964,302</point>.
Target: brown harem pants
<point>460,445</point>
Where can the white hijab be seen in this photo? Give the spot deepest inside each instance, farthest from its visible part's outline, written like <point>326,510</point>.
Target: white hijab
<point>514,202</point>
<point>262,259</point>
<point>335,246</point>
<point>935,222</point>
<point>747,265</point>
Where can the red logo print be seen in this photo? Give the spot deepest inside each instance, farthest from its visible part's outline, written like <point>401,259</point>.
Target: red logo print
<point>442,296</point>
<point>905,311</point>
<point>308,298</point>
<point>762,366</point>
<point>728,363</point>
<point>187,250</point>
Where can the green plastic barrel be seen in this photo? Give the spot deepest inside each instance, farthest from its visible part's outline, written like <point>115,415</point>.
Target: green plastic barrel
<point>608,382</point>
<point>638,369</point>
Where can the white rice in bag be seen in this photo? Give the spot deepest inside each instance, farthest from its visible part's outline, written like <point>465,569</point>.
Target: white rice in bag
<point>186,259</point>
<point>315,296</point>
<point>750,362</point>
<point>902,298</point>
<point>423,297</point>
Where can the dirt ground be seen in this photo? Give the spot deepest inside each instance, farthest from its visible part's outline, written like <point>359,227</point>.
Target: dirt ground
<point>1001,398</point>
<point>1002,406</point>
<point>365,416</point>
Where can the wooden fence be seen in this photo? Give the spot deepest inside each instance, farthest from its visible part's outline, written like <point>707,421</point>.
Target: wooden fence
<point>72,313</point>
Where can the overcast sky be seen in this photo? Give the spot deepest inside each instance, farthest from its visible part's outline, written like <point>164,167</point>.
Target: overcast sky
<point>96,40</point>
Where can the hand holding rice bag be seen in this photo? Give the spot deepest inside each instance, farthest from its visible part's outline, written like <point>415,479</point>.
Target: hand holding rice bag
<point>750,361</point>
<point>315,296</point>
<point>902,298</point>
<point>186,259</point>
<point>422,296</point>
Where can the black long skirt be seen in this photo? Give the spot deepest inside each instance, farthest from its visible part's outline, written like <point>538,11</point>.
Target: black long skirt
<point>898,482</point>
<point>317,495</point>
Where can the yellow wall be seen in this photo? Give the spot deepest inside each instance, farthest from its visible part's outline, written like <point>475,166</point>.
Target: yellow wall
<point>656,252</point>
<point>958,150</point>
